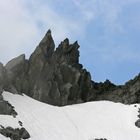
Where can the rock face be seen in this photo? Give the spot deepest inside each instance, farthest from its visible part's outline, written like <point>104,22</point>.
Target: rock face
<point>55,76</point>
<point>7,109</point>
<point>16,77</point>
<point>15,134</point>
<point>137,123</point>
<point>2,76</point>
<point>127,94</point>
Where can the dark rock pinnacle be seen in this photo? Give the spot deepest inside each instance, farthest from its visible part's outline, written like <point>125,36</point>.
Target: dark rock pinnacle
<point>56,77</point>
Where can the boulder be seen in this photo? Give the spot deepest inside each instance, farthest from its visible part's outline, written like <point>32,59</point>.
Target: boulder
<point>14,134</point>
<point>137,123</point>
<point>23,133</point>
<point>6,108</point>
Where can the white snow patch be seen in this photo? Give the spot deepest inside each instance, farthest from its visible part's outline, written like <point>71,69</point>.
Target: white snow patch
<point>102,119</point>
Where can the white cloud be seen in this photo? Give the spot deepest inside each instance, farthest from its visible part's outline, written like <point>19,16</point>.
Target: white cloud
<point>22,23</point>
<point>88,8</point>
<point>61,26</point>
<point>16,29</point>
<point>20,29</point>
<point>108,12</point>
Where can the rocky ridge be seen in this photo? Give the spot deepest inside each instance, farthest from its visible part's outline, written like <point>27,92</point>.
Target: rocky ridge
<point>55,76</point>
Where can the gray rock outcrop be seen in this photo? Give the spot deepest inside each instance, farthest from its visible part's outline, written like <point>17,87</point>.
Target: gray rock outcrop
<point>16,77</point>
<point>2,77</point>
<point>7,109</point>
<point>15,134</point>
<point>55,76</point>
<point>127,94</point>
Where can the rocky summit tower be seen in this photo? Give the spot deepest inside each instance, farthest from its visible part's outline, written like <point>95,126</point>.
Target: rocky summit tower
<point>55,76</point>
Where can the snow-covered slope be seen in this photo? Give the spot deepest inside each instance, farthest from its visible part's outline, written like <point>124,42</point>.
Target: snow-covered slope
<point>87,121</point>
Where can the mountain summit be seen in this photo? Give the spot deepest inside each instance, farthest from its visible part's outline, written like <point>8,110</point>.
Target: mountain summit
<point>55,76</point>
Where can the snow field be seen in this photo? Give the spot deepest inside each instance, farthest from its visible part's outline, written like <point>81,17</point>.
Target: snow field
<point>102,119</point>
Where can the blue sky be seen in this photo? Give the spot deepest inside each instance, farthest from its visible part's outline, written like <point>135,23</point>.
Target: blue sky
<point>108,32</point>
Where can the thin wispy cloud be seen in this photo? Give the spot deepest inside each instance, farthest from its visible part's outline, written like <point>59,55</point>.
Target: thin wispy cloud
<point>109,10</point>
<point>109,16</point>
<point>22,27</point>
<point>88,9</point>
<point>16,29</point>
<point>45,16</point>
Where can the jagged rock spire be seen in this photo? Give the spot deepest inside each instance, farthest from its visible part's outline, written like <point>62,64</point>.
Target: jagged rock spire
<point>76,45</point>
<point>66,41</point>
<point>40,57</point>
<point>47,37</point>
<point>47,44</point>
<point>57,77</point>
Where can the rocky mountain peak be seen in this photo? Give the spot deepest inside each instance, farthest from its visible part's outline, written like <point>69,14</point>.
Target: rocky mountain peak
<point>47,44</point>
<point>66,42</point>
<point>56,77</point>
<point>45,48</point>
<point>47,38</point>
